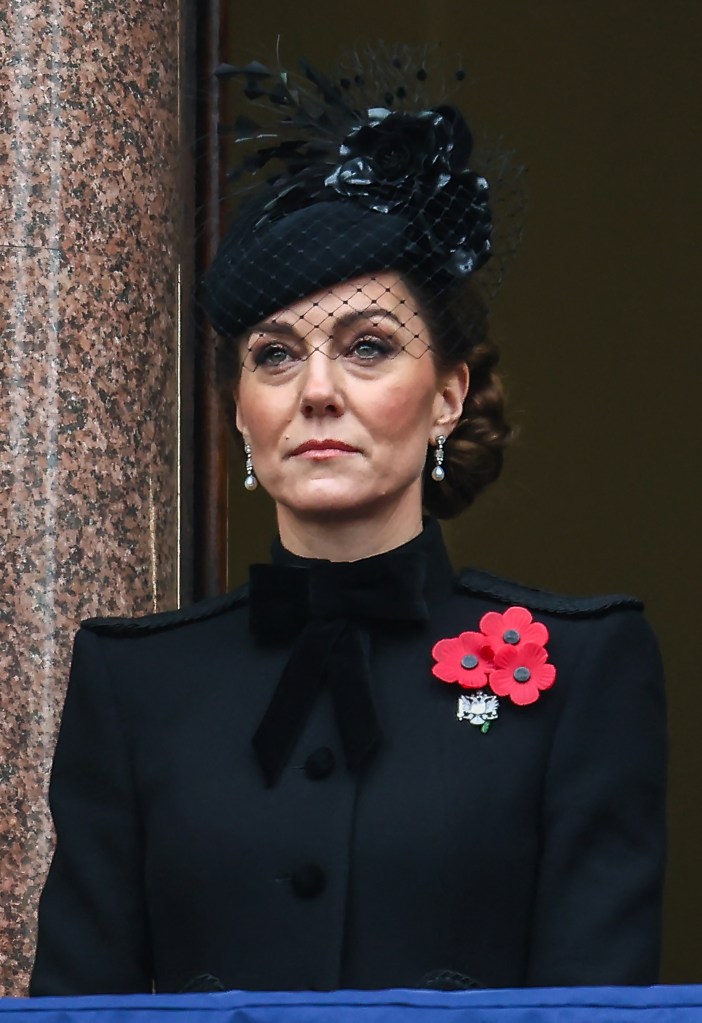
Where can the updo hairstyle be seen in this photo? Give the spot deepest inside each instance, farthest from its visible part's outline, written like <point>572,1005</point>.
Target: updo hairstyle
<point>474,451</point>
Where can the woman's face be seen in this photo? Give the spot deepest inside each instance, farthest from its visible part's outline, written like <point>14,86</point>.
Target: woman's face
<point>339,397</point>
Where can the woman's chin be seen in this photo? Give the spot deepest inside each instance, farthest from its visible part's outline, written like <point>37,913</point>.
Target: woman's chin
<point>334,502</point>
<point>330,507</point>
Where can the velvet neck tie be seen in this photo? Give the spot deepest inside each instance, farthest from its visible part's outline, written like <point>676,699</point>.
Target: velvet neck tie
<point>328,606</point>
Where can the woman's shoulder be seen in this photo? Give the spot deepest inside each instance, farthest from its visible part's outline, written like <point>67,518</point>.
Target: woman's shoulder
<point>164,621</point>
<point>477,583</point>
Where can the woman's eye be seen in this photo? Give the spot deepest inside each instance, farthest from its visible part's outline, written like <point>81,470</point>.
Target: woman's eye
<point>367,349</point>
<point>271,355</point>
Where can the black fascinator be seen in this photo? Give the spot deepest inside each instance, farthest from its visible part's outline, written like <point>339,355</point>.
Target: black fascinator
<point>351,174</point>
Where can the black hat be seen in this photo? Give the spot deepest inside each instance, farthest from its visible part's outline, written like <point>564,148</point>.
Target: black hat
<point>351,186</point>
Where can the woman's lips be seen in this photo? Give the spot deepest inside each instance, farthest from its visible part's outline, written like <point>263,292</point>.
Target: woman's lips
<point>323,449</point>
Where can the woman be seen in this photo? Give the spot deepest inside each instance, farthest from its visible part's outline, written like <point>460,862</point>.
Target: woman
<point>360,770</point>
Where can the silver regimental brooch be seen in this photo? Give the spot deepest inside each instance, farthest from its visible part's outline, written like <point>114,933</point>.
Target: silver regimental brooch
<point>478,709</point>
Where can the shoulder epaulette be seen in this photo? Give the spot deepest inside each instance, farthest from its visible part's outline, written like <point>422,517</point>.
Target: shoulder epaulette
<point>484,584</point>
<point>163,620</point>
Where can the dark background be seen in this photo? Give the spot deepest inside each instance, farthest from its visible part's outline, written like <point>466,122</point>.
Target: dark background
<point>598,322</point>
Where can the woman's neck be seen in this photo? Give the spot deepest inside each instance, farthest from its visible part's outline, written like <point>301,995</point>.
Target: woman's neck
<point>337,538</point>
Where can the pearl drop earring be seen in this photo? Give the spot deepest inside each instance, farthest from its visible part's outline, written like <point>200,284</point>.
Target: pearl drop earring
<point>250,482</point>
<point>438,473</point>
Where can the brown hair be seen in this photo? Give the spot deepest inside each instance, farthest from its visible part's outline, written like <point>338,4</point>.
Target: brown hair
<point>474,452</point>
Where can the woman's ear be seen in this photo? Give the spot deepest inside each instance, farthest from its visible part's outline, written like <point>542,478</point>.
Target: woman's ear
<point>453,388</point>
<point>240,424</point>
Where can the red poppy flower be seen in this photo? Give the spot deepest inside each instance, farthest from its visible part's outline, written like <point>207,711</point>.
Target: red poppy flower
<point>513,628</point>
<point>521,672</point>
<point>466,659</point>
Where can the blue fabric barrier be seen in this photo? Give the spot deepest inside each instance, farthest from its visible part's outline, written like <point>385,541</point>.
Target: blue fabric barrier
<point>681,1004</point>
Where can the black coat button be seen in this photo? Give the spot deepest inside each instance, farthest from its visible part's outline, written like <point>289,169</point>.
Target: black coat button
<point>320,763</point>
<point>309,881</point>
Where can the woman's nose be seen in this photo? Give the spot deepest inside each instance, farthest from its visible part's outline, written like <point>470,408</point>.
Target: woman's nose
<point>321,392</point>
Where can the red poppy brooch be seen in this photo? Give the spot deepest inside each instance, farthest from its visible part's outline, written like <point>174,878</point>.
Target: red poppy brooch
<point>506,658</point>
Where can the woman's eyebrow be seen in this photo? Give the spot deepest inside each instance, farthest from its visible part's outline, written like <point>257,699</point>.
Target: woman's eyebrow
<point>273,327</point>
<point>371,312</point>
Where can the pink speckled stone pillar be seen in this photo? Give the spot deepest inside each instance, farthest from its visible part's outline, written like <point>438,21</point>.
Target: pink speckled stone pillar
<point>89,254</point>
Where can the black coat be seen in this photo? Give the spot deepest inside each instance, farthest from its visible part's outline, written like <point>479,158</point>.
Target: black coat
<point>530,855</point>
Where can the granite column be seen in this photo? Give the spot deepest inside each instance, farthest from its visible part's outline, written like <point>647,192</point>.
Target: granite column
<point>90,251</point>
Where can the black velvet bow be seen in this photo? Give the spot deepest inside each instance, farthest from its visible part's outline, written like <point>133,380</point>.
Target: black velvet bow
<point>327,606</point>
